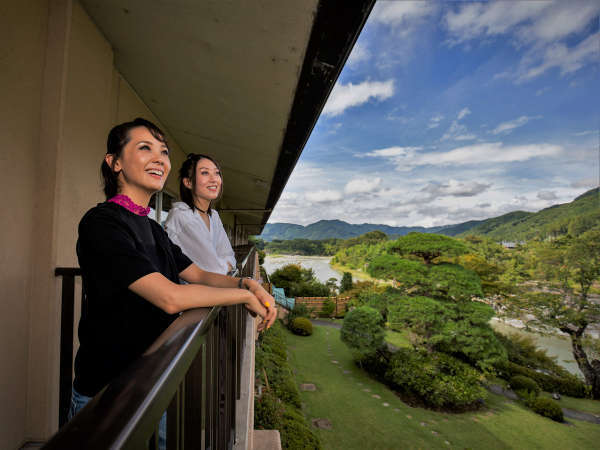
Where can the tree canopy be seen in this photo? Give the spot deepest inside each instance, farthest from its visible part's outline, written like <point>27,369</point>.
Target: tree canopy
<point>427,246</point>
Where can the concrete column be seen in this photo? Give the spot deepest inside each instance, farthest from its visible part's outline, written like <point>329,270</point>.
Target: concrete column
<point>42,410</point>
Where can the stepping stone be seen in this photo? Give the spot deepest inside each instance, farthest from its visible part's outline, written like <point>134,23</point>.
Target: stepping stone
<point>396,410</point>
<point>446,442</point>
<point>474,419</point>
<point>423,424</point>
<point>366,390</point>
<point>334,361</point>
<point>323,424</point>
<point>435,433</point>
<point>378,397</point>
<point>308,387</point>
<point>386,404</point>
<point>346,372</point>
<point>408,416</point>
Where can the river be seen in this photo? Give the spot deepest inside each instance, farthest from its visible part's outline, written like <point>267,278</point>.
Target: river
<point>558,346</point>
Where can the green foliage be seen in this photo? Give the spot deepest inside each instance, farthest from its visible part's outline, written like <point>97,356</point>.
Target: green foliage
<point>346,283</point>
<point>363,331</point>
<point>300,310</point>
<point>278,408</point>
<point>298,282</point>
<point>461,329</point>
<point>439,380</point>
<point>427,246</point>
<point>327,309</point>
<point>567,385</point>
<point>360,255</point>
<point>548,408</point>
<point>296,434</point>
<point>301,326</point>
<point>523,383</point>
<point>409,273</point>
<point>523,351</point>
<point>451,281</point>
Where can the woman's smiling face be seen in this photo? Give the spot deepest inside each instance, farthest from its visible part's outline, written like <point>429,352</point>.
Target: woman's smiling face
<point>208,182</point>
<point>143,165</point>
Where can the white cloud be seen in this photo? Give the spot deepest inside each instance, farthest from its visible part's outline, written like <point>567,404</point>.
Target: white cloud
<point>542,91</point>
<point>403,13</point>
<point>458,132</point>
<point>485,153</point>
<point>562,19</point>
<point>539,26</point>
<point>585,133</point>
<point>359,54</point>
<point>455,188</point>
<point>547,195</point>
<point>507,127</point>
<point>586,183</point>
<point>344,96</point>
<point>559,56</point>
<point>434,122</point>
<point>361,185</point>
<point>394,151</point>
<point>465,137</point>
<point>463,113</point>
<point>323,196</point>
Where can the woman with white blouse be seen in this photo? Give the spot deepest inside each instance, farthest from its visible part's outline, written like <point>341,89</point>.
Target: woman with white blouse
<point>193,224</point>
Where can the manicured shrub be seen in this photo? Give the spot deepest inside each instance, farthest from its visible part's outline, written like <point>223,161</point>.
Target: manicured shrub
<point>363,331</point>
<point>268,411</point>
<point>521,383</point>
<point>566,385</point>
<point>548,408</point>
<point>328,309</point>
<point>301,326</point>
<point>278,408</point>
<point>299,310</point>
<point>296,434</point>
<point>439,380</point>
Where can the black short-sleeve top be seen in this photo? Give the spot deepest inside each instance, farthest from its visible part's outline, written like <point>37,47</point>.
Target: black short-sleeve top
<point>115,248</point>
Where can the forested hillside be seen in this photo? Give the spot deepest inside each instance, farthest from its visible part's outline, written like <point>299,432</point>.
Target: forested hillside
<point>574,218</point>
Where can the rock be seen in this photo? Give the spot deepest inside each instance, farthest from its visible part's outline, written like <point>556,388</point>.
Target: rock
<point>308,387</point>
<point>386,404</point>
<point>556,396</point>
<point>376,396</point>
<point>324,424</point>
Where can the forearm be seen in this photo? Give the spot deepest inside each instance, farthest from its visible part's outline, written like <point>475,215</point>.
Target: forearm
<point>172,297</point>
<point>193,274</point>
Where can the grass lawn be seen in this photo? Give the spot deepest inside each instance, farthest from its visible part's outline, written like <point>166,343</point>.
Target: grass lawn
<point>362,421</point>
<point>580,404</point>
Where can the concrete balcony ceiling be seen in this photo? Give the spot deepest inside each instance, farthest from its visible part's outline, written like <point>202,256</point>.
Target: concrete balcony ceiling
<point>222,77</point>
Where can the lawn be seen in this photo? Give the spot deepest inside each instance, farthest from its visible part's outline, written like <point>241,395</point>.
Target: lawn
<point>345,396</point>
<point>580,404</point>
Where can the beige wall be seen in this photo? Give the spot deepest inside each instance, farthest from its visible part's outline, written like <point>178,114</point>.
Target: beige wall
<point>58,104</point>
<point>22,32</point>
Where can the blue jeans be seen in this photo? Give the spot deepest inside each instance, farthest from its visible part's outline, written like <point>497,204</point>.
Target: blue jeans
<point>78,401</point>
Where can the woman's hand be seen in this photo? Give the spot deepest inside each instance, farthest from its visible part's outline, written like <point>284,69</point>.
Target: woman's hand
<point>264,297</point>
<point>254,305</point>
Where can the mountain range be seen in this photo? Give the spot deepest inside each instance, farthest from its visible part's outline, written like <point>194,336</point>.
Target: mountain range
<point>516,225</point>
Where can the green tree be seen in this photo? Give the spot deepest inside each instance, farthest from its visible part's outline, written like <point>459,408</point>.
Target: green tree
<point>332,285</point>
<point>570,267</point>
<point>299,282</point>
<point>346,283</point>
<point>363,331</point>
<point>427,246</point>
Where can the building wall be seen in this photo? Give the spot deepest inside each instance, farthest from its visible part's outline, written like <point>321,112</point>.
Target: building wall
<point>58,104</point>
<point>22,32</point>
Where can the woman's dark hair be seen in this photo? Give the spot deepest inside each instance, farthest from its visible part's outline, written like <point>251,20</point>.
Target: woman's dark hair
<point>118,137</point>
<point>188,170</point>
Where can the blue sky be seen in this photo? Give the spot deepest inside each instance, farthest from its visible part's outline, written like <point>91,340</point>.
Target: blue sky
<point>452,111</point>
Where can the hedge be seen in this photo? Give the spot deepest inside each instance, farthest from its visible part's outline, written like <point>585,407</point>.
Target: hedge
<point>548,408</point>
<point>278,408</point>
<point>301,326</point>
<point>568,385</point>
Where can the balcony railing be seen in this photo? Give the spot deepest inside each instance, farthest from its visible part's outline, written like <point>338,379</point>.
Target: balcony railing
<point>193,372</point>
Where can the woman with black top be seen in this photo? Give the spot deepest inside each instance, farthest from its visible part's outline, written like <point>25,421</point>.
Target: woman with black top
<point>131,269</point>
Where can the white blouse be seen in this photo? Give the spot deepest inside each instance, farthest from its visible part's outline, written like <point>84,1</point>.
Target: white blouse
<point>208,249</point>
